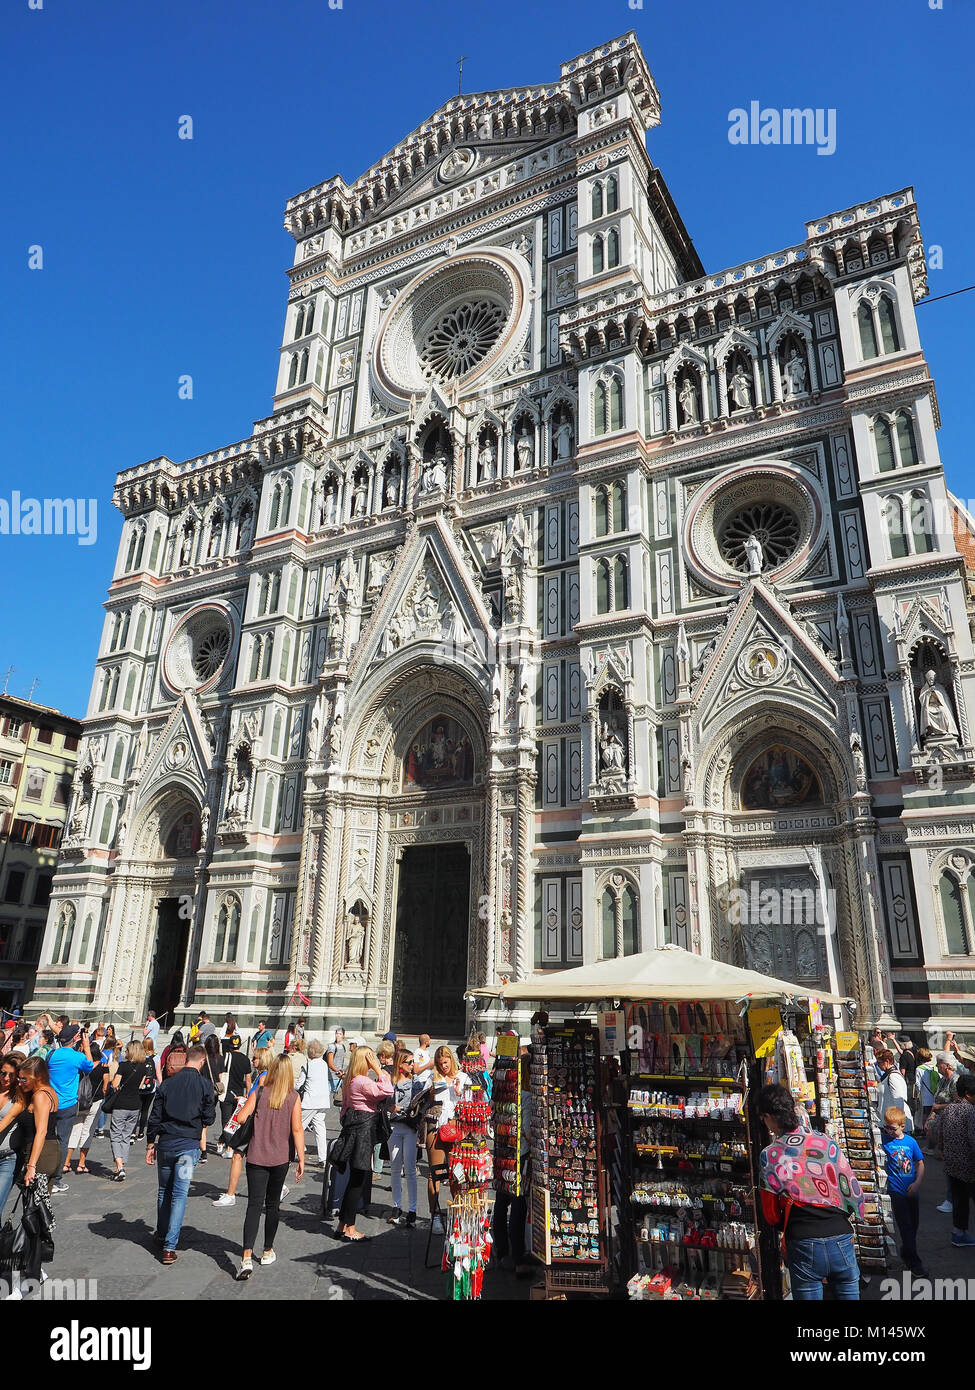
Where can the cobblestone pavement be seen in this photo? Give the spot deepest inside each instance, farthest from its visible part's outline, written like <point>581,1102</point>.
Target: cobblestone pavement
<point>104,1233</point>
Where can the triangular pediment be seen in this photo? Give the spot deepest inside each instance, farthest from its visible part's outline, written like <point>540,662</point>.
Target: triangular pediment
<point>431,596</point>
<point>180,753</point>
<point>735,339</point>
<point>685,356</point>
<point>925,615</point>
<point>763,652</point>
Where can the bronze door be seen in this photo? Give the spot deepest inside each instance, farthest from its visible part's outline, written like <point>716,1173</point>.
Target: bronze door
<point>169,960</point>
<point>432,924</point>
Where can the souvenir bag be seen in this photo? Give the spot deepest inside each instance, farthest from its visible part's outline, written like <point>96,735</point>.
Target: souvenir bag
<point>237,1133</point>
<point>449,1133</point>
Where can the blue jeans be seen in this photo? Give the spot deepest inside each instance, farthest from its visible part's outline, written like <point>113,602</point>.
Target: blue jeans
<point>832,1258</point>
<point>175,1171</point>
<point>8,1166</point>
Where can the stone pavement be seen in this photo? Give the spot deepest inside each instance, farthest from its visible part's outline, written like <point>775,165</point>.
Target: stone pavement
<point>104,1232</point>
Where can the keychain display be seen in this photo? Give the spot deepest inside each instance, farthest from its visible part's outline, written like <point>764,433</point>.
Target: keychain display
<point>467,1247</point>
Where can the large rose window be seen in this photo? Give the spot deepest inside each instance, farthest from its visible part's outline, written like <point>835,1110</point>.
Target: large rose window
<point>462,338</point>
<point>775,526</point>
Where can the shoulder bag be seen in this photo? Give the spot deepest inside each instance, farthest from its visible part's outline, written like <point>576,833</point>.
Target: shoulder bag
<point>238,1133</point>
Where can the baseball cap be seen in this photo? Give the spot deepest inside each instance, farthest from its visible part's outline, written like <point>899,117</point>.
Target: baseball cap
<point>68,1034</point>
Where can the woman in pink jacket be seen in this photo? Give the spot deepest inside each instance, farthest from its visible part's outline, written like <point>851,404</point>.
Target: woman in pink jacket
<point>361,1099</point>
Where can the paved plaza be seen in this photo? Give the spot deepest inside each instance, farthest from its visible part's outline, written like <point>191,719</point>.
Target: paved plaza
<point>104,1233</point>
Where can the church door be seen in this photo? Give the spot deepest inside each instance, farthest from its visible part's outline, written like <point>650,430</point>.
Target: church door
<point>783,926</point>
<point>168,961</point>
<point>432,923</point>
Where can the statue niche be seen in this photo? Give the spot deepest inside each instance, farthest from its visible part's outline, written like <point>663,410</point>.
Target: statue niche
<point>937,719</point>
<point>183,840</point>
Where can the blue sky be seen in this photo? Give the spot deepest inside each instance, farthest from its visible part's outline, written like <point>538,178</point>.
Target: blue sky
<point>165,256</point>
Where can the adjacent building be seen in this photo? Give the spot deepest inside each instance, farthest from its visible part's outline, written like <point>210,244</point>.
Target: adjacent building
<point>571,601</point>
<point>38,752</point>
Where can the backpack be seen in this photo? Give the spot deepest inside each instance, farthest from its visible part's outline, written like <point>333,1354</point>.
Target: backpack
<point>85,1092</point>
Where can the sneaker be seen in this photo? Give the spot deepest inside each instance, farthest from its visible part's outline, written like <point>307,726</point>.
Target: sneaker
<point>219,1151</point>
<point>945,1207</point>
<point>437,1226</point>
<point>169,1257</point>
<point>268,1257</point>
<point>203,1155</point>
<point>409,1219</point>
<point>227,1200</point>
<point>964,1239</point>
<point>119,1176</point>
<point>395,1216</point>
<point>246,1268</point>
<point>59,1187</point>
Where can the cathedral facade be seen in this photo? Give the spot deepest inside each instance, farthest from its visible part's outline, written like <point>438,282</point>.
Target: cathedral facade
<point>571,601</point>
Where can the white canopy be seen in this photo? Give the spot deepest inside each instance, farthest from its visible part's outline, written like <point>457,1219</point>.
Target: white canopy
<point>668,973</point>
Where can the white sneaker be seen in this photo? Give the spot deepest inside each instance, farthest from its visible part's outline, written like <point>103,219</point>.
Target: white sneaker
<point>945,1207</point>
<point>268,1257</point>
<point>227,1200</point>
<point>220,1151</point>
<point>437,1227</point>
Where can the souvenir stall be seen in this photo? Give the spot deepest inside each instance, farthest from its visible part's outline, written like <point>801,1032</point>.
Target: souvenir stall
<point>645,1137</point>
<point>467,1220</point>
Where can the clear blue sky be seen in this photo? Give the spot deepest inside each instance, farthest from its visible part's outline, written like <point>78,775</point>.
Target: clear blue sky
<point>164,256</point>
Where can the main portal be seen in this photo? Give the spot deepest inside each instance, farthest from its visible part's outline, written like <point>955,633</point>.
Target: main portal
<point>432,928</point>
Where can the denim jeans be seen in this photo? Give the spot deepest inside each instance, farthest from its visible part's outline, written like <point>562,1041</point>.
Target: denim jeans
<point>402,1158</point>
<point>175,1172</point>
<point>8,1166</point>
<point>63,1125</point>
<point>832,1258</point>
<point>907,1214</point>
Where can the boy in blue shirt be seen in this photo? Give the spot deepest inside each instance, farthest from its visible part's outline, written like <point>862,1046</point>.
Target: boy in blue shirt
<point>905,1173</point>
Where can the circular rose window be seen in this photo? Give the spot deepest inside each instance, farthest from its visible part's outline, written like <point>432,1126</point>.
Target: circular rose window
<point>457,323</point>
<point>462,338</point>
<point>198,647</point>
<point>774,526</point>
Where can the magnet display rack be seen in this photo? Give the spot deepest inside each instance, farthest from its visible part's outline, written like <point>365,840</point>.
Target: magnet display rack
<point>506,1108</point>
<point>569,1199</point>
<point>859,1137</point>
<point>692,1160</point>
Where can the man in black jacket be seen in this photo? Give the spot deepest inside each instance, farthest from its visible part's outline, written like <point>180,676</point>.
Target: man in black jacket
<point>183,1107</point>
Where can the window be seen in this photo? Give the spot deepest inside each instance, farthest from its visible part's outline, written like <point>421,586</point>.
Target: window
<point>14,727</point>
<point>922,528</point>
<point>6,770</point>
<point>610,508</point>
<point>598,255</point>
<point>888,326</point>
<point>616,404</point>
<point>15,886</point>
<point>86,935</point>
<point>21,831</point>
<point>906,439</point>
<point>612,249</point>
<point>612,195</point>
<point>154,551</point>
<point>597,200</point>
<point>884,442</point>
<point>894,517</point>
<point>105,834</point>
<point>117,759</point>
<point>47,836</point>
<point>228,930</point>
<point>612,585</point>
<point>267,645</point>
<point>602,511</point>
<point>35,784</point>
<point>62,790</point>
<point>619,918</point>
<point>953,912</point>
<point>45,735</point>
<point>618,491</point>
<point>42,890</point>
<point>71,743</point>
<point>599,408</point>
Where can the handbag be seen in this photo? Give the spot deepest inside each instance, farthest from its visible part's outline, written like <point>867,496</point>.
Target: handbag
<point>110,1101</point>
<point>449,1133</point>
<point>382,1131</point>
<point>12,1239</point>
<point>237,1135</point>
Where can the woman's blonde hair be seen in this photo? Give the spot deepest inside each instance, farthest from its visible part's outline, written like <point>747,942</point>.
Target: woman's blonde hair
<point>358,1065</point>
<point>297,1045</point>
<point>135,1052</point>
<point>445,1051</point>
<point>263,1057</point>
<point>386,1051</point>
<point>280,1081</point>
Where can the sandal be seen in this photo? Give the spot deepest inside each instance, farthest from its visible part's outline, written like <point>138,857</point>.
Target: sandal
<point>82,1170</point>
